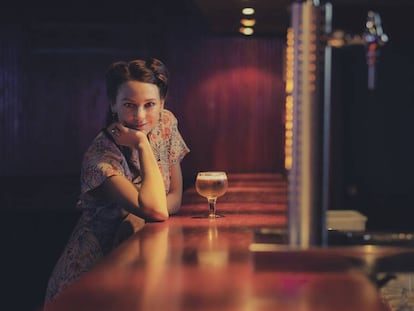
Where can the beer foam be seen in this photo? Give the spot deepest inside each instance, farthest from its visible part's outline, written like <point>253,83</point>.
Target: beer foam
<point>212,177</point>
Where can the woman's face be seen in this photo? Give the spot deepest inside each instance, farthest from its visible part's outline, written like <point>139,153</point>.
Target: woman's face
<point>138,105</point>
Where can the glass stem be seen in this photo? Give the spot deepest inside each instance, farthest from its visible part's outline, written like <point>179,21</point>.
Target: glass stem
<point>212,205</point>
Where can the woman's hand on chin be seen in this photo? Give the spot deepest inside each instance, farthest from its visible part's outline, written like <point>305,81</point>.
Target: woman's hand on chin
<point>126,136</point>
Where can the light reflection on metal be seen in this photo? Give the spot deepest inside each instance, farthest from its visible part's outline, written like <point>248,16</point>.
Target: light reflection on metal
<point>289,76</point>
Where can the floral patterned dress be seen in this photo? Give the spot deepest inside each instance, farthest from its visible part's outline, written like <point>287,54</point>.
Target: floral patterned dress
<point>93,236</point>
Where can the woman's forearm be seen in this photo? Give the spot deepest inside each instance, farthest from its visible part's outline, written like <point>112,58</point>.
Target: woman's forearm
<point>152,197</point>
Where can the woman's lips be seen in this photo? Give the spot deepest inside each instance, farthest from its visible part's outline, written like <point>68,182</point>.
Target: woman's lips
<point>140,126</point>
<point>136,126</point>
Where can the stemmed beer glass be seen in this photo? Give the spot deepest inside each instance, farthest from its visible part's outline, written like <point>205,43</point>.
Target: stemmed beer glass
<point>211,185</point>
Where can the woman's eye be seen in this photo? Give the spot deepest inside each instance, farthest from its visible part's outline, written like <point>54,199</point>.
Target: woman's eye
<point>129,105</point>
<point>150,104</point>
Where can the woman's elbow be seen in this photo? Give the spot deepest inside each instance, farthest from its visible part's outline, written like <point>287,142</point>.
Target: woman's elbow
<point>157,216</point>
<point>149,214</point>
<point>156,211</point>
<point>154,208</point>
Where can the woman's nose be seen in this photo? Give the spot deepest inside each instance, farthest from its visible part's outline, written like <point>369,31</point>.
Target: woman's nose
<point>140,113</point>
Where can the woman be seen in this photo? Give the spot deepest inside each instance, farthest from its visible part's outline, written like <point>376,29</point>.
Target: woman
<point>131,170</point>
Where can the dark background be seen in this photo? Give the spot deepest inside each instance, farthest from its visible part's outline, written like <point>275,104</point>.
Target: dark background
<point>227,92</point>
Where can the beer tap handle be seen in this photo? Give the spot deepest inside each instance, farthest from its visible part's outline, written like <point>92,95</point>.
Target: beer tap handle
<point>374,37</point>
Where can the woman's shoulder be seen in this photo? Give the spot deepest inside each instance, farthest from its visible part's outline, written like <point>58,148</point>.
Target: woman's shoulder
<point>167,117</point>
<point>101,145</point>
<point>102,159</point>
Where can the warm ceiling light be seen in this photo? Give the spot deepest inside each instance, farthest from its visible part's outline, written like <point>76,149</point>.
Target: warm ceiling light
<point>246,31</point>
<point>248,22</point>
<point>248,11</point>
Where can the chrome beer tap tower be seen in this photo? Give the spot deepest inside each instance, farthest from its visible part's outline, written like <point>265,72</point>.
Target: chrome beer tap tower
<point>310,41</point>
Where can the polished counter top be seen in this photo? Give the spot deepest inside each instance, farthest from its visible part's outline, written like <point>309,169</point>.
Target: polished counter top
<point>189,263</point>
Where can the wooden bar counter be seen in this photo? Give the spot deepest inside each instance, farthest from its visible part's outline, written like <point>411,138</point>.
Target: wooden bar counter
<point>189,263</point>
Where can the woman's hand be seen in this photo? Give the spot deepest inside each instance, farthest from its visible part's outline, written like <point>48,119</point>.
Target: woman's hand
<point>126,136</point>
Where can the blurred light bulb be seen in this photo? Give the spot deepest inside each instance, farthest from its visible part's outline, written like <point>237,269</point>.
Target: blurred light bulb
<point>246,31</point>
<point>248,11</point>
<point>248,22</point>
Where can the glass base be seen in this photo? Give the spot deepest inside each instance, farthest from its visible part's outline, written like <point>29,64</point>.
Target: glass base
<point>208,216</point>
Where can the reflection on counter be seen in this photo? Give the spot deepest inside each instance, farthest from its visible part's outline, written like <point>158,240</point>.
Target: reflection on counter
<point>212,252</point>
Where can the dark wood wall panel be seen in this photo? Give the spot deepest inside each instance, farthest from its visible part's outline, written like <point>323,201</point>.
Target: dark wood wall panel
<point>67,107</point>
<point>227,94</point>
<point>12,92</point>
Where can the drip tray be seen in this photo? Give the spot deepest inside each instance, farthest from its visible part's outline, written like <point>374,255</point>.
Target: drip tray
<point>371,252</point>
<point>341,237</point>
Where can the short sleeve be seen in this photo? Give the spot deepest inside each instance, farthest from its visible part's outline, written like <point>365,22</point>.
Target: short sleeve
<point>178,147</point>
<point>167,139</point>
<point>102,160</point>
<point>167,144</point>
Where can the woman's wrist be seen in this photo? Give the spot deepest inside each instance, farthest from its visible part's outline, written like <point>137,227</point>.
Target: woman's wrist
<point>142,142</point>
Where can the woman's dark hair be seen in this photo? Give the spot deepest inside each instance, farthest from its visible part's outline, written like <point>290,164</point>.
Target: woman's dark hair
<point>149,70</point>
